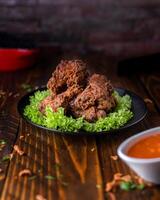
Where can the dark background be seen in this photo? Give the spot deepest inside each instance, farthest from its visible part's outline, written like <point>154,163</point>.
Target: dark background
<point>125,28</point>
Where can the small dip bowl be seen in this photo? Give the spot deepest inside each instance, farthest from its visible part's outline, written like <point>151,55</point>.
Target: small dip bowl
<point>12,59</point>
<point>147,168</point>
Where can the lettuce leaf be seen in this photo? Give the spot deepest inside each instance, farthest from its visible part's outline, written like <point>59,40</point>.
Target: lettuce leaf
<point>58,120</point>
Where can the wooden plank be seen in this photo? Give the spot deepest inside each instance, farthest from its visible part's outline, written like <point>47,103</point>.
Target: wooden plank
<point>39,159</point>
<point>107,146</point>
<point>10,83</point>
<point>77,174</point>
<point>8,122</point>
<point>80,165</point>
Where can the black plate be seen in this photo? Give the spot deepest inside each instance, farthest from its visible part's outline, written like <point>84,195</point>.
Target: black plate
<point>138,108</point>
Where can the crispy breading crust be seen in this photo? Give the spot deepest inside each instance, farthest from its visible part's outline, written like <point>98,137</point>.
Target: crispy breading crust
<point>67,74</point>
<point>71,89</point>
<point>96,100</point>
<point>67,81</point>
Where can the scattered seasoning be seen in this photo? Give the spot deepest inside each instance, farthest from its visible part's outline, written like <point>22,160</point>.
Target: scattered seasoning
<point>26,87</point>
<point>2,93</point>
<point>18,150</point>
<point>60,180</point>
<point>6,158</point>
<point>111,196</point>
<point>64,183</point>
<point>1,170</point>
<point>126,183</point>
<point>28,134</point>
<point>98,186</point>
<point>126,178</point>
<point>93,149</point>
<point>36,87</point>
<point>146,100</point>
<point>21,137</point>
<point>2,177</point>
<point>32,177</point>
<point>11,156</point>
<point>114,157</point>
<point>25,172</point>
<point>127,186</point>
<point>57,166</point>
<point>2,142</point>
<point>40,197</point>
<point>50,177</point>
<point>16,95</point>
<point>10,94</point>
<point>109,186</point>
<point>117,176</point>
<point>140,181</point>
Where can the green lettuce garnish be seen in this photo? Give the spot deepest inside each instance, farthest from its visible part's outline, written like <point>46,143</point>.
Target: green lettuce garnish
<point>58,120</point>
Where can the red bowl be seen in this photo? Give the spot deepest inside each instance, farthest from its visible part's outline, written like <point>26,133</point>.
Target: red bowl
<point>13,59</point>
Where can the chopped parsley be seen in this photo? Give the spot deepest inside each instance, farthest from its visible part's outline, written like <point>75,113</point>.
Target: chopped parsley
<point>6,158</point>
<point>26,87</point>
<point>127,186</point>
<point>49,177</point>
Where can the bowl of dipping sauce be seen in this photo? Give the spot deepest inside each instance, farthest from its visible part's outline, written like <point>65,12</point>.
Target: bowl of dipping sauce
<point>141,153</point>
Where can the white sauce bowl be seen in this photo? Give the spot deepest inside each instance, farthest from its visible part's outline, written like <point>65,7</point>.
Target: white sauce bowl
<point>148,169</point>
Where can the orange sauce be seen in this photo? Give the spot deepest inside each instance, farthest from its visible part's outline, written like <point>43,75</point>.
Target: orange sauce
<point>148,147</point>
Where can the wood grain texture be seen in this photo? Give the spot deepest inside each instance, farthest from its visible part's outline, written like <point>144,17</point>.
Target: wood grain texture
<point>107,146</point>
<point>10,84</point>
<point>9,122</point>
<point>77,167</point>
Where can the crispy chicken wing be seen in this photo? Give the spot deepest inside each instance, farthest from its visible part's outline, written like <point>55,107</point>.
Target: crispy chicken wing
<point>97,95</point>
<point>67,73</point>
<point>67,81</point>
<point>61,100</point>
<point>71,89</point>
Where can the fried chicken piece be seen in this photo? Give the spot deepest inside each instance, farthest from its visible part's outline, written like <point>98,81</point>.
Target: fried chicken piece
<point>98,92</point>
<point>47,101</point>
<point>96,100</point>
<point>61,100</point>
<point>101,81</point>
<point>69,89</point>
<point>88,114</point>
<point>67,81</point>
<point>92,114</point>
<point>101,114</point>
<point>67,74</point>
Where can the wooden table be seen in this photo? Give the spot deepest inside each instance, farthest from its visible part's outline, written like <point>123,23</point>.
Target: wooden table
<point>81,165</point>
